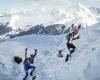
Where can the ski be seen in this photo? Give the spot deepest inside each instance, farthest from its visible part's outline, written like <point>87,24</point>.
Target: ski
<point>32,77</point>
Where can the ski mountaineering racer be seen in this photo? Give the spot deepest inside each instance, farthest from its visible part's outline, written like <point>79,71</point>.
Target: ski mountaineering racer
<point>72,35</point>
<point>28,64</point>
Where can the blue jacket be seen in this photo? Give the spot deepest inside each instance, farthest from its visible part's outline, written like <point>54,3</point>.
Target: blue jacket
<point>28,62</point>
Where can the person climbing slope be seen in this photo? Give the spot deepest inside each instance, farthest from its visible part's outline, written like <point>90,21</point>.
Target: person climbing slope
<point>72,35</point>
<point>28,63</point>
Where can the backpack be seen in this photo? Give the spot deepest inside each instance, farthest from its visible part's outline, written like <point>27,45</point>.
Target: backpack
<point>17,59</point>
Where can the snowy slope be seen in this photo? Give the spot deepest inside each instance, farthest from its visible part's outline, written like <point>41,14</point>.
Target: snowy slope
<point>84,64</point>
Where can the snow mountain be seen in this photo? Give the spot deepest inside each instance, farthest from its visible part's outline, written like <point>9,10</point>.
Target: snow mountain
<point>45,21</point>
<point>81,15</point>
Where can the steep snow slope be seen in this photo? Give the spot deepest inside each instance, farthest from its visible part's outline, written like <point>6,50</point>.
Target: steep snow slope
<point>17,46</point>
<point>83,65</point>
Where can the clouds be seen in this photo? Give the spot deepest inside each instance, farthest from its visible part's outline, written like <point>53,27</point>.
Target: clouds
<point>30,4</point>
<point>95,3</point>
<point>60,3</point>
<point>94,0</point>
<point>50,3</point>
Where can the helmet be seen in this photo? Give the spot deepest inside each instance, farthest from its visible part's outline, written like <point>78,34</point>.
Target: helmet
<point>72,25</point>
<point>32,55</point>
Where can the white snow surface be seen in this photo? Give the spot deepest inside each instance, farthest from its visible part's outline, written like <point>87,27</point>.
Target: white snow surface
<point>83,65</point>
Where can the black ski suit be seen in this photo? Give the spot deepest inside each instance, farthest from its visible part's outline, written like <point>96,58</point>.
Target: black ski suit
<point>71,47</point>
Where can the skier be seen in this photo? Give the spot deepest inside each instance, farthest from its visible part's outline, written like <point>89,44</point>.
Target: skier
<point>73,35</point>
<point>28,63</point>
<point>71,47</point>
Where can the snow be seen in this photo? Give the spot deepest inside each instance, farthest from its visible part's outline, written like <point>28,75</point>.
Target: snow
<point>35,17</point>
<point>49,16</point>
<point>79,14</point>
<point>83,65</point>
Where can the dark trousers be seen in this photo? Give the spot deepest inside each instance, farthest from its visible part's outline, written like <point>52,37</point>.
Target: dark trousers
<point>26,71</point>
<point>71,46</point>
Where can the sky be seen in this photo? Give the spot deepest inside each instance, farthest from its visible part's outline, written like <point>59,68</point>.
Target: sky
<point>11,5</point>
